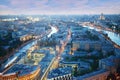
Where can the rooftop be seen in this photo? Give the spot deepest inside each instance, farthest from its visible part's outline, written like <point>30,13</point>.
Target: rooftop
<point>110,60</point>
<point>59,72</point>
<point>21,69</point>
<point>91,74</point>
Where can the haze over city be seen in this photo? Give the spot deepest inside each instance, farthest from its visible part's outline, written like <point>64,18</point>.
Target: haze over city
<point>59,39</point>
<point>32,7</point>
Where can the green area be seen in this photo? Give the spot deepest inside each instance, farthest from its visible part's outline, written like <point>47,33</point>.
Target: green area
<point>77,72</point>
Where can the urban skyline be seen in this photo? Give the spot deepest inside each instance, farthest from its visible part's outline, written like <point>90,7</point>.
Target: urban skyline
<point>33,7</point>
<point>59,40</point>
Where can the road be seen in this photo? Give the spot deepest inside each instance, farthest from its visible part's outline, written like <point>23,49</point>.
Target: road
<point>57,57</point>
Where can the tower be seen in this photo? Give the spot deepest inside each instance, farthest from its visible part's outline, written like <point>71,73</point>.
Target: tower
<point>101,17</point>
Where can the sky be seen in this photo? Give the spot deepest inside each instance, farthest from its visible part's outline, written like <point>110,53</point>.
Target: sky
<point>32,7</point>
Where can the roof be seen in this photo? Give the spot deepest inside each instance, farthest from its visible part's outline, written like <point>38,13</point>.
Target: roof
<point>110,60</point>
<point>59,72</point>
<point>21,69</point>
<point>91,74</point>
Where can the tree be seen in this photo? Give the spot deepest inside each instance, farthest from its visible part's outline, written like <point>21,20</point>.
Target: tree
<point>75,71</point>
<point>111,77</point>
<point>94,65</point>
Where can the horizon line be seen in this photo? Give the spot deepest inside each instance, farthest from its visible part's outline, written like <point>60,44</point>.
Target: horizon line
<point>60,14</point>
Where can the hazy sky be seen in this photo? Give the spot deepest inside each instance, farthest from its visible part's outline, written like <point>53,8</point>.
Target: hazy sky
<point>59,6</point>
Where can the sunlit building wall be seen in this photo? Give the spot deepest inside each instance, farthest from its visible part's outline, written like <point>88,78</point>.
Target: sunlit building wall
<point>14,76</point>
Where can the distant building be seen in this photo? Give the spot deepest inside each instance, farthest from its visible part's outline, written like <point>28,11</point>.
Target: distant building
<point>14,35</point>
<point>25,37</point>
<point>86,45</point>
<point>101,17</point>
<point>3,33</point>
<point>80,53</point>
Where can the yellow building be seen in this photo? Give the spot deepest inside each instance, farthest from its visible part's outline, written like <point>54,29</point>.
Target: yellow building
<point>25,37</point>
<point>21,72</point>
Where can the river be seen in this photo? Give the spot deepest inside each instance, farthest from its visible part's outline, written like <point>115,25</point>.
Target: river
<point>112,35</point>
<point>54,30</point>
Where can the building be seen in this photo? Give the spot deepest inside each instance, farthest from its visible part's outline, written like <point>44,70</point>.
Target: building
<point>107,67</point>
<point>81,65</point>
<point>101,17</point>
<point>107,48</point>
<point>111,63</point>
<point>97,75</point>
<point>60,74</point>
<point>20,72</point>
<point>25,37</point>
<point>86,45</point>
